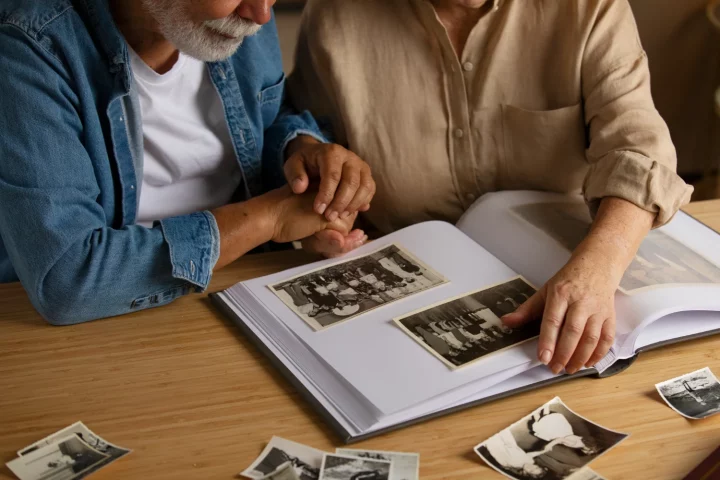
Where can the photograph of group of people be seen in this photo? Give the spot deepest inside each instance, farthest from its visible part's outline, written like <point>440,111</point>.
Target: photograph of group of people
<point>339,292</point>
<point>466,329</point>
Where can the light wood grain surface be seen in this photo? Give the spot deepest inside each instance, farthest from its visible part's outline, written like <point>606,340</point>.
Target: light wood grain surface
<point>195,400</point>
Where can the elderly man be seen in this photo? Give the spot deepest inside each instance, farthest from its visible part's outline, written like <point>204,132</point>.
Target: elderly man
<point>450,99</point>
<point>140,143</point>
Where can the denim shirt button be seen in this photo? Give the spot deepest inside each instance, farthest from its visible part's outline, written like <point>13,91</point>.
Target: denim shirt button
<point>121,119</point>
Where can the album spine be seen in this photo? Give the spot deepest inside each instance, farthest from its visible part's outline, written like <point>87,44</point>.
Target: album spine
<point>222,305</point>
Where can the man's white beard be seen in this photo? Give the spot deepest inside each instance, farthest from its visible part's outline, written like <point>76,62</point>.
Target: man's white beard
<point>202,41</point>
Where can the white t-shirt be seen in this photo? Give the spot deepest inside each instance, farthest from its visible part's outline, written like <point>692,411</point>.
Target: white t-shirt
<point>189,164</point>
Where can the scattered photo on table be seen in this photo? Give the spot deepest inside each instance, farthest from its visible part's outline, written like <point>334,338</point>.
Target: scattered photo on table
<point>695,395</point>
<point>660,261</point>
<point>340,467</point>
<point>403,466</point>
<point>305,460</point>
<point>284,472</point>
<point>113,452</point>
<point>552,443</point>
<point>336,293</point>
<point>68,458</point>
<point>466,329</point>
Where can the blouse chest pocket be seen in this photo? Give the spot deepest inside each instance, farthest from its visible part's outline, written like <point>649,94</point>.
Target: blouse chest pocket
<point>270,99</point>
<point>544,149</point>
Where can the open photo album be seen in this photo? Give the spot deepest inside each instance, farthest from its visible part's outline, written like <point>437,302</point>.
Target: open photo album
<point>408,327</point>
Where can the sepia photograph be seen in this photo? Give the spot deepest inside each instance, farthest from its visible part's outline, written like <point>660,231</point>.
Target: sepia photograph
<point>67,458</point>
<point>113,452</point>
<point>660,261</point>
<point>305,460</point>
<point>466,329</point>
<point>345,290</point>
<point>403,466</point>
<point>695,395</point>
<point>552,443</point>
<point>340,467</point>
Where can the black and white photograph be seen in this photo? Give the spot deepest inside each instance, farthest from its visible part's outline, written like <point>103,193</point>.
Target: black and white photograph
<point>695,395</point>
<point>660,261</point>
<point>403,466</point>
<point>113,452</point>
<point>552,443</point>
<point>305,460</point>
<point>66,459</point>
<point>342,467</point>
<point>466,329</point>
<point>345,290</point>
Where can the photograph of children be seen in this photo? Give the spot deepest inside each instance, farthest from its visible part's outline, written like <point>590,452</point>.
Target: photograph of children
<point>305,460</point>
<point>345,290</point>
<point>661,260</point>
<point>695,395</point>
<point>64,459</point>
<point>552,443</point>
<point>340,467</point>
<point>466,329</point>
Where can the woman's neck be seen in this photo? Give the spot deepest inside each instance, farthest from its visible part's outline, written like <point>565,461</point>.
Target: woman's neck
<point>459,18</point>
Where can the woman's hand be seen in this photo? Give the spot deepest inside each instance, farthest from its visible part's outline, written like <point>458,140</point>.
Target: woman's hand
<point>577,305</point>
<point>336,240</point>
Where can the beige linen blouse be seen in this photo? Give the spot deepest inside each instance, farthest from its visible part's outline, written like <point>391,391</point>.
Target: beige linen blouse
<point>547,95</point>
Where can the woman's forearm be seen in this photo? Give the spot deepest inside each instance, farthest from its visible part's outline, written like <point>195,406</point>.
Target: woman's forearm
<point>615,235</point>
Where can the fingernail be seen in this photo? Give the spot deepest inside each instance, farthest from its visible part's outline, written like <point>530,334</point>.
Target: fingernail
<point>321,209</point>
<point>545,357</point>
<point>332,216</point>
<point>556,368</point>
<point>297,183</point>
<point>345,215</point>
<point>571,370</point>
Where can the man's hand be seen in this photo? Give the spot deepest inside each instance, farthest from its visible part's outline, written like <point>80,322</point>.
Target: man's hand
<point>577,305</point>
<point>336,240</point>
<point>346,184</point>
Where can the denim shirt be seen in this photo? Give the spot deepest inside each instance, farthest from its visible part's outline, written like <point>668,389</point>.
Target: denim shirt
<point>71,167</point>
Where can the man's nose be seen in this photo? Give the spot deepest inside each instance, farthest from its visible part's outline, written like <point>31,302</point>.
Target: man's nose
<point>258,11</point>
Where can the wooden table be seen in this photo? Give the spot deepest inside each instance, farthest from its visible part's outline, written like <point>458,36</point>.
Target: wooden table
<point>195,400</point>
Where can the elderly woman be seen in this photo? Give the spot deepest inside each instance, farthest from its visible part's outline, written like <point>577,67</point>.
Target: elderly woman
<point>450,99</point>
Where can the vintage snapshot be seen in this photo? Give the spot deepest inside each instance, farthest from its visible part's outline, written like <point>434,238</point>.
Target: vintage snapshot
<point>305,460</point>
<point>552,443</point>
<point>283,472</point>
<point>403,466</point>
<point>468,328</point>
<point>67,458</point>
<point>342,291</point>
<point>661,260</point>
<point>341,467</point>
<point>695,395</point>
<point>113,452</point>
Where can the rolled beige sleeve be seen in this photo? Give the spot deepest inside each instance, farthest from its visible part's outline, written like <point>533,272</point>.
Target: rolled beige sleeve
<point>631,153</point>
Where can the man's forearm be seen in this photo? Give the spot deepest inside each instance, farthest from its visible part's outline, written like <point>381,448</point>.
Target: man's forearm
<point>616,234</point>
<point>243,227</point>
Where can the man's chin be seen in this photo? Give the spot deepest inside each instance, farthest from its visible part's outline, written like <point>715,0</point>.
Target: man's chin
<point>212,54</point>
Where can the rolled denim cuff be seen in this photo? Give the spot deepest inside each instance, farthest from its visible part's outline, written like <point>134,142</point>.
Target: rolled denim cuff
<point>194,242</point>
